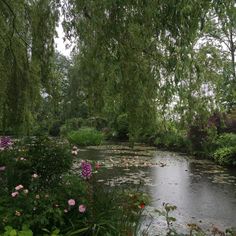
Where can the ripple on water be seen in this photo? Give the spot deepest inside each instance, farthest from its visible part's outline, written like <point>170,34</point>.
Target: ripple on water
<point>201,189</point>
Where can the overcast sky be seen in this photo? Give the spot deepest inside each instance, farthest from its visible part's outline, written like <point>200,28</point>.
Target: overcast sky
<point>60,44</point>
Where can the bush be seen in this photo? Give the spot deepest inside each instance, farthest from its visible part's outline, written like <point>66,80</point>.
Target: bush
<point>172,140</point>
<point>54,129</point>
<point>71,125</point>
<point>122,126</point>
<point>49,159</point>
<point>225,155</point>
<point>226,140</point>
<point>85,136</point>
<point>225,149</point>
<point>43,156</point>
<point>34,187</point>
<point>96,122</point>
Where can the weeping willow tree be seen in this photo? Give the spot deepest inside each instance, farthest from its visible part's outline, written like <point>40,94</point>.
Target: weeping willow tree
<point>27,30</point>
<point>128,52</point>
<point>142,60</point>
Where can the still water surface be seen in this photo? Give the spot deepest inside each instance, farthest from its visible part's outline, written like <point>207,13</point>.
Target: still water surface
<point>204,193</point>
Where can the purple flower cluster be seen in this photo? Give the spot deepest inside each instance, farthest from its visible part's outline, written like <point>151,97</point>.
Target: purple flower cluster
<point>5,142</point>
<point>86,170</point>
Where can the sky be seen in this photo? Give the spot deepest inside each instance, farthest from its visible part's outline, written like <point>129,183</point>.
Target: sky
<point>60,44</point>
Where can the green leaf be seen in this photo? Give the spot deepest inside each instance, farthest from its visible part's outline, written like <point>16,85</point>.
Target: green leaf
<point>77,231</point>
<point>13,233</point>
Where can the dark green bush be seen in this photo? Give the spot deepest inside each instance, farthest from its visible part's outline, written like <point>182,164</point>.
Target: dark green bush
<point>85,136</point>
<point>225,155</point>
<point>54,129</point>
<point>172,140</point>
<point>47,158</point>
<point>71,125</point>
<point>96,122</point>
<point>226,140</point>
<point>122,126</point>
<point>225,149</point>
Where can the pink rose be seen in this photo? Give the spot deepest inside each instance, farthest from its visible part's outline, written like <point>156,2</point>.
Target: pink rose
<point>82,208</point>
<point>14,194</point>
<point>19,187</point>
<point>2,168</point>
<point>71,202</point>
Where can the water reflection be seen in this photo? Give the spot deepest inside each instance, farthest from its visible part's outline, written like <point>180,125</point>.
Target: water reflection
<point>190,186</point>
<point>203,192</point>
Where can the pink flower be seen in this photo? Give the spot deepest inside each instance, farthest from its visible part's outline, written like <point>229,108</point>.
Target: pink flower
<point>71,202</point>
<point>97,166</point>
<point>2,168</point>
<point>5,142</point>
<point>86,170</point>
<point>14,194</point>
<point>19,187</point>
<point>82,208</point>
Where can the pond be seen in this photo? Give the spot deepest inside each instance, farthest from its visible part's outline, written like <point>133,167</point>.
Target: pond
<point>204,193</point>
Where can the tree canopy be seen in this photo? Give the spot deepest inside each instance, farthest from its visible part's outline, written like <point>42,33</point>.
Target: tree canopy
<point>145,61</point>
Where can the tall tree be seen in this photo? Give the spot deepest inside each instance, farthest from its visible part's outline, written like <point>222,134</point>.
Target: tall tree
<point>26,37</point>
<point>126,45</point>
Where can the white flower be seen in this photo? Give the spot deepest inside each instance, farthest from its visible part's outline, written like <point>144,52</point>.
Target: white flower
<point>35,176</point>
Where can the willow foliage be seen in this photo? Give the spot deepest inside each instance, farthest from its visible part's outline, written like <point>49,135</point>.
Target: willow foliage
<point>125,50</point>
<point>26,39</point>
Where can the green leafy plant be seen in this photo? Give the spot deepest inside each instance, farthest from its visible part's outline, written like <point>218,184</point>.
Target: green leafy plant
<point>46,157</point>
<point>225,155</point>
<point>10,231</point>
<point>168,208</point>
<point>172,140</point>
<point>85,136</point>
<point>225,149</point>
<point>72,124</point>
<point>54,129</point>
<point>226,140</point>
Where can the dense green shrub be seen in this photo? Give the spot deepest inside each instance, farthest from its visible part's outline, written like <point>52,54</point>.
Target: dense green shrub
<point>10,231</point>
<point>49,158</point>
<point>225,149</point>
<point>85,136</point>
<point>54,129</point>
<point>122,126</point>
<point>226,140</point>
<point>71,125</point>
<point>96,122</point>
<point>43,156</point>
<point>172,140</point>
<point>225,155</point>
<point>42,208</point>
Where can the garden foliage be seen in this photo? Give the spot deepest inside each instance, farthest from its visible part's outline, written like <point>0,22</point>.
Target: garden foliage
<point>85,136</point>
